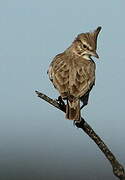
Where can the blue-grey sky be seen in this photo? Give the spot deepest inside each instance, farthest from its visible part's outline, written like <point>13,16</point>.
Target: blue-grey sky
<point>36,142</point>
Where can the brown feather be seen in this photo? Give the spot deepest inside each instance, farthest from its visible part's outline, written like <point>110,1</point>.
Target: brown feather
<point>72,74</point>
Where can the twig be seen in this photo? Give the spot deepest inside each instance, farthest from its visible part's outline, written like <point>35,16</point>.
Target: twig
<point>118,169</point>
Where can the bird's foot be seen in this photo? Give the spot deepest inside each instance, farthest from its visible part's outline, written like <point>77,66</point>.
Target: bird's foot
<point>60,101</point>
<point>79,123</point>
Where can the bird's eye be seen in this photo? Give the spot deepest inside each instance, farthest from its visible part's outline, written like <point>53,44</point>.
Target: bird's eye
<point>85,47</point>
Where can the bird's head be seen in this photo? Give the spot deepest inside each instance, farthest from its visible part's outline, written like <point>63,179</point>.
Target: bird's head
<point>86,44</point>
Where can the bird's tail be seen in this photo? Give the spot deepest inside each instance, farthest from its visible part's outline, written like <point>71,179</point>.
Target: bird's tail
<point>73,109</point>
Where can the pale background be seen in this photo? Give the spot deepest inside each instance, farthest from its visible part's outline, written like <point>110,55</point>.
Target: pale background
<point>36,142</point>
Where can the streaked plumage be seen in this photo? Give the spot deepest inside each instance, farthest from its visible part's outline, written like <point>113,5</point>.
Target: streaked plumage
<point>73,72</point>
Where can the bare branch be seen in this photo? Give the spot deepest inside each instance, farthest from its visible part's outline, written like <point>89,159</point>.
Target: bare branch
<point>118,169</point>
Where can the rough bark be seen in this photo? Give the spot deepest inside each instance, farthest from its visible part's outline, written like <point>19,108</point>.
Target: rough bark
<point>118,169</point>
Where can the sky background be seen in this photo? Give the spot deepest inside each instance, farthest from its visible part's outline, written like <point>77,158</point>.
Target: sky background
<point>36,142</point>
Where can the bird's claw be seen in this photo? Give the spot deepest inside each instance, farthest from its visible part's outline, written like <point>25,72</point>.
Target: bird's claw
<point>60,101</point>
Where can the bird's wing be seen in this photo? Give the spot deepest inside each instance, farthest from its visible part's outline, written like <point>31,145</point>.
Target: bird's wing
<point>59,73</point>
<point>84,77</point>
<point>72,77</point>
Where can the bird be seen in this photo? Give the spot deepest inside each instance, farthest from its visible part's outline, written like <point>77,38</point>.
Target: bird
<point>72,72</point>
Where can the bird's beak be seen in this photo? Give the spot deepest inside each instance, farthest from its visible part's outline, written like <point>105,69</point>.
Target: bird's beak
<point>95,54</point>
